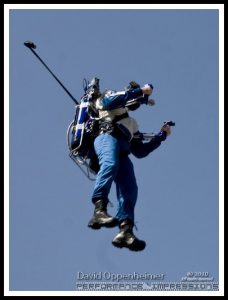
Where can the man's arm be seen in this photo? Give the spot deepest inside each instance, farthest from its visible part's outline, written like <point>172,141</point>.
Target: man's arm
<point>119,99</point>
<point>141,150</point>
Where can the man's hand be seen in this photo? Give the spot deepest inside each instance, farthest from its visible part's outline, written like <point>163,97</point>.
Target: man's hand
<point>151,102</point>
<point>167,128</point>
<point>147,89</point>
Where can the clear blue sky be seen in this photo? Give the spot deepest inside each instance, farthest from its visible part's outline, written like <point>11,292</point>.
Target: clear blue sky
<point>177,209</point>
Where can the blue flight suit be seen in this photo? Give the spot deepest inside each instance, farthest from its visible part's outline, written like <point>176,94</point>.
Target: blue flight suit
<point>112,150</point>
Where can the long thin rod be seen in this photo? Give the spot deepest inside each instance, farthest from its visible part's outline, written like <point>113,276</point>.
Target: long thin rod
<point>66,90</point>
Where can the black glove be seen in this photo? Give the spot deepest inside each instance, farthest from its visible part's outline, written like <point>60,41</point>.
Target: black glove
<point>133,85</point>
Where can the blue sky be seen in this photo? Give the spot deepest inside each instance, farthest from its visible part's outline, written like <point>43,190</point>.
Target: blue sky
<point>177,211</point>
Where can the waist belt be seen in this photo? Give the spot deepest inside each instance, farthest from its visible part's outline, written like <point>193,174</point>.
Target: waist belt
<point>108,125</point>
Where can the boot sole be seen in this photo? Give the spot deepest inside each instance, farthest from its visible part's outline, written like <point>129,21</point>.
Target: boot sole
<point>118,245</point>
<point>99,225</point>
<point>132,247</point>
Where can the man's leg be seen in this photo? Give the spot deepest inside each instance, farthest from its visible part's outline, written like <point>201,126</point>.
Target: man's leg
<point>127,192</point>
<point>107,150</point>
<point>126,189</point>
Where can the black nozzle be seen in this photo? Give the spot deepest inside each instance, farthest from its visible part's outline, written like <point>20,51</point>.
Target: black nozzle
<point>30,45</point>
<point>170,123</point>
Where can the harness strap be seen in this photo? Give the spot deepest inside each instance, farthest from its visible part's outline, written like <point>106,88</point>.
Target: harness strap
<point>109,126</point>
<point>120,117</point>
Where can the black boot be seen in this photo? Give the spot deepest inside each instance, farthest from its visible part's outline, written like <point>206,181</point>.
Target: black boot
<point>100,217</point>
<point>126,237</point>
